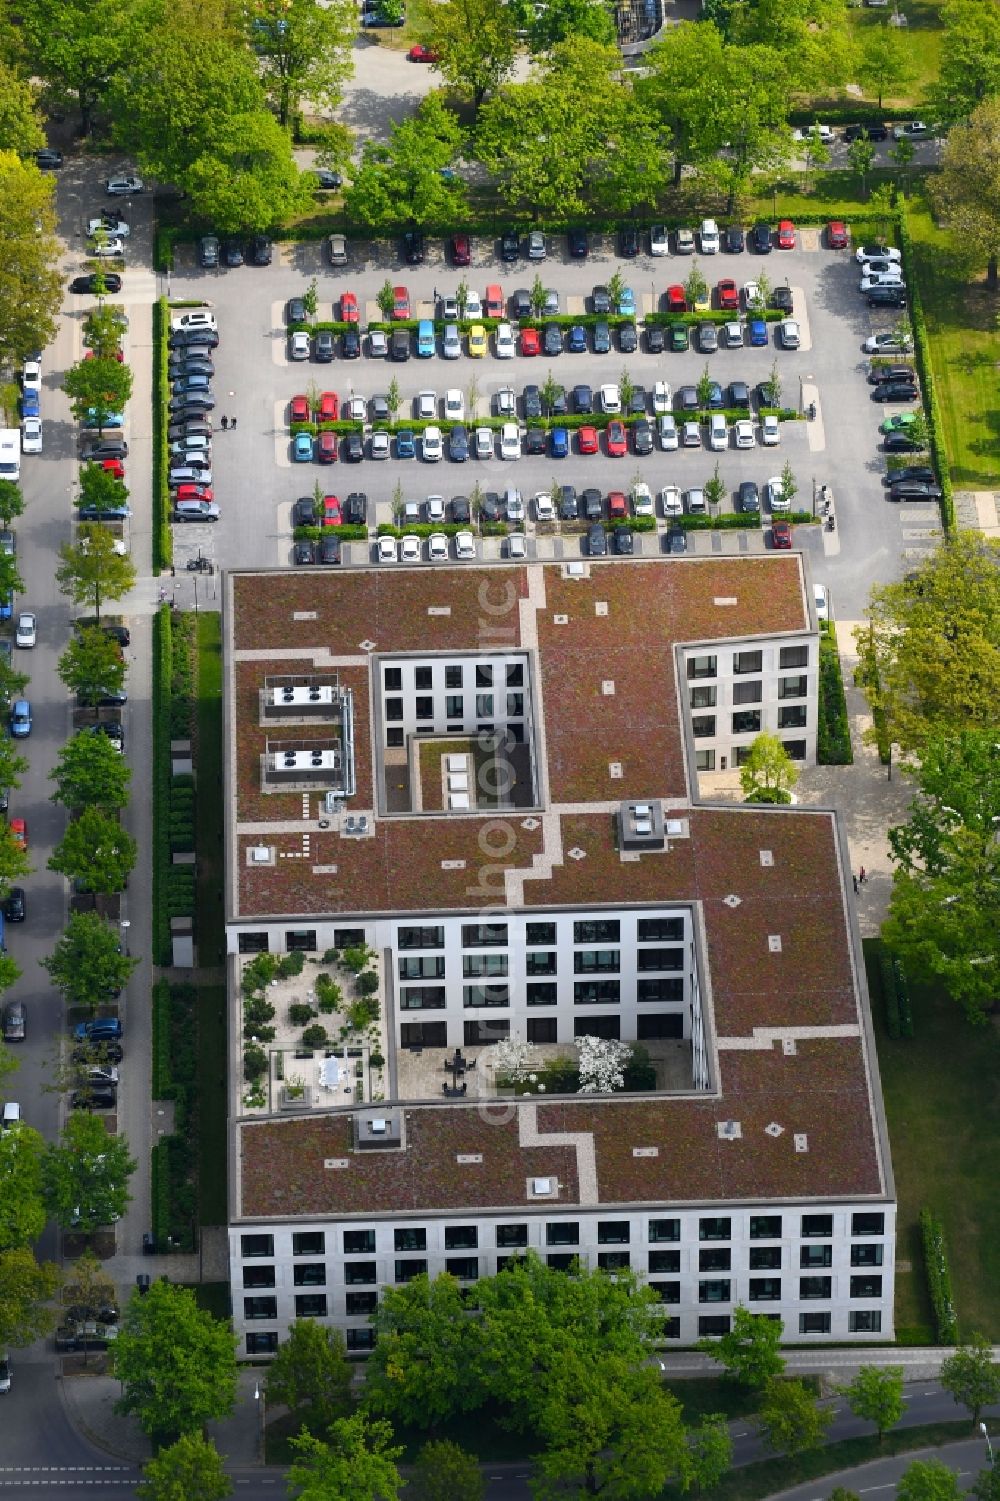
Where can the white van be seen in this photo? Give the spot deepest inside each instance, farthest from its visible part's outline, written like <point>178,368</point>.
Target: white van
<point>11,1115</point>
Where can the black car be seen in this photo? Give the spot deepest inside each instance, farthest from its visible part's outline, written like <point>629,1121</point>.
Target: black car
<point>628,241</point>
<point>98,1052</point>
<point>190,363</point>
<point>708,338</point>
<point>491,507</point>
<point>93,1099</point>
<point>677,541</point>
<point>458,445</point>
<point>636,404</point>
<point>329,550</point>
<point>601,301</point>
<point>914,489</point>
<point>781,298</point>
<point>520,304</point>
<point>48,160</point>
<point>623,541</point>
<point>895,390</point>
<point>350,344</point>
<point>399,344</point>
<point>119,633</point>
<point>900,476</point>
<point>413,247</point>
<point>568,506</point>
<point>739,395</point>
<point>323,346</point>
<point>532,401</point>
<point>295,310</point>
<point>510,245</point>
<point>259,251</point>
<point>583,399</point>
<point>628,339</point>
<point>106,448</point>
<point>107,281</point>
<point>327,181</point>
<point>304,512</point>
<point>193,338</point>
<point>552,341</point>
<point>232,254</point>
<point>760,239</point>
<point>733,239</point>
<point>686,398</point>
<point>656,341</point>
<point>461,511</point>
<point>872,132</point>
<point>557,402</point>
<point>900,441</point>
<point>356,509</point>
<point>748,497</point>
<point>887,297</point>
<point>304,553</point>
<point>642,436</point>
<point>881,373</point>
<point>597,542</point>
<point>15,908</point>
<point>716,401</point>
<point>602,338</point>
<point>577,244</point>
<point>106,700</point>
<point>352,450</point>
<point>534,440</point>
<point>592,504</point>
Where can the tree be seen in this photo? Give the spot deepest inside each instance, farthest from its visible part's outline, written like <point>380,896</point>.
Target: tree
<point>445,1472</point>
<point>22,1207</point>
<point>841,1493</point>
<point>11,501</point>
<point>176,1363</point>
<point>96,389</point>
<point>86,1174</point>
<point>791,1419</point>
<point>972,1376</point>
<point>715,487</point>
<point>969,70</point>
<point>986,1486</point>
<point>861,157</point>
<point>91,773</point>
<point>674,88</point>
<point>815,153</point>
<point>91,1289</point>
<point>966,189</point>
<point>476,44</point>
<point>87,964</point>
<point>696,286</point>
<point>902,153</point>
<point>92,665</point>
<point>704,387</point>
<point>78,57</point>
<point>92,572</point>
<point>422,1368</point>
<point>14,866</point>
<point>928,1480</point>
<point>249,180</point>
<point>768,774</point>
<point>876,1395</point>
<point>20,121</point>
<point>400,182</point>
<point>99,488</point>
<point>191,1469</point>
<point>750,1351</point>
<point>358,1464</point>
<point>773,387</point>
<point>96,851</point>
<point>103,329</point>
<point>27,1287</point>
<point>886,64</point>
<point>310,1373</point>
<point>31,283</point>
<point>304,49</point>
<point>710,1453</point>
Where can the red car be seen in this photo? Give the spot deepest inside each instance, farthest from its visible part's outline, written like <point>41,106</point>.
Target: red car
<point>587,437</point>
<point>781,535</point>
<point>400,303</point>
<point>493,304</point>
<point>298,409</point>
<point>836,234</point>
<point>332,515</point>
<point>19,832</point>
<point>194,492</point>
<point>676,300</point>
<point>531,344</point>
<point>786,235</point>
<point>729,294</point>
<point>461,250</point>
<point>617,440</point>
<point>326,448</point>
<point>349,308</point>
<point>114,467</point>
<point>328,408</point>
<point>420,54</point>
<point>617,505</point>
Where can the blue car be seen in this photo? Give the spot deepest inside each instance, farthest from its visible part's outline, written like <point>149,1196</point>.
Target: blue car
<point>302,448</point>
<point>577,341</point>
<point>425,339</point>
<point>7,605</point>
<point>104,1029</point>
<point>406,444</point>
<point>20,719</point>
<point>29,404</point>
<point>758,333</point>
<point>626,303</point>
<point>112,420</point>
<point>560,442</point>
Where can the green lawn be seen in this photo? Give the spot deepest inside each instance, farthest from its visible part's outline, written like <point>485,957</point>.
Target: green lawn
<point>943,1109</point>
<point>923,33</point>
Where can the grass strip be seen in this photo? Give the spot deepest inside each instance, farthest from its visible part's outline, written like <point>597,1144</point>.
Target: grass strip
<point>163,537</point>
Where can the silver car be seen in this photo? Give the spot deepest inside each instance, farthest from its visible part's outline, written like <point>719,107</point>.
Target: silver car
<point>451,343</point>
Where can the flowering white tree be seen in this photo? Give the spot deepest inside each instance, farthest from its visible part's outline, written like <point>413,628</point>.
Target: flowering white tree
<point>512,1057</point>
<point>602,1064</point>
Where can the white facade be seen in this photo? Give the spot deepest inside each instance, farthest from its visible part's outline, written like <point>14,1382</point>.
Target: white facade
<point>732,691</point>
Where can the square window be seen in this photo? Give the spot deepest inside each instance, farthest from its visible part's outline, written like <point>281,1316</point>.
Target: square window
<point>613,1261</point>
<point>361,1303</point>
<point>865,1321</point>
<point>717,1259</point>
<point>539,934</point>
<point>818,1226</point>
<point>792,717</point>
<point>461,1238</point>
<point>359,1242</point>
<point>301,941</point>
<point>704,760</point>
<point>747,722</point>
<point>598,931</point>
<point>672,1329</point>
<point>484,705</point>
<point>394,738</point>
<point>392,679</point>
<point>484,675</point>
<point>515,706</point>
<point>542,993</point>
<point>541,962</point>
<point>542,1028</point>
<point>515,674</point>
<point>393,710</point>
<point>660,930</point>
<point>420,938</point>
<point>560,1261</point>
<point>714,1290</point>
<point>310,1306</point>
<point>654,959</point>
<point>360,1339</point>
<point>409,1239</point>
<point>867,1255</point>
<point>308,1243</point>
<point>484,935</point>
<point>260,1308</point>
<point>793,656</point>
<point>613,1232</point>
<point>815,1256</point>
<point>478,966</point>
<point>796,687</point>
<point>664,1261</point>
<point>765,1258</point>
<point>747,661</point>
<point>482,1032</point>
<point>310,1274</point>
<point>701,667</point>
<point>253,943</point>
<point>867,1224</point>
<point>258,1276</point>
<point>866,1287</point>
<point>485,995</point>
<point>453,676</point>
<point>359,1273</point>
<point>815,1287</point>
<point>765,1289</point>
<point>703,697</point>
<point>349,938</point>
<point>424,706</point>
<point>465,1268</point>
<point>667,1292</point>
<point>423,679</point>
<point>796,749</point>
<point>814,1323</point>
<point>703,726</point>
<point>562,1233</point>
<point>407,1270</point>
<point>597,961</point>
<point>596,993</point>
<point>709,1324</point>
<point>748,693</point>
<point>712,1228</point>
<point>257,1245</point>
<point>661,1230</point>
<point>263,1343</point>
<point>454,706</point>
<point>515,1236</point>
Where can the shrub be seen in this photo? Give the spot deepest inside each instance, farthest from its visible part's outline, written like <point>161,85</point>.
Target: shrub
<point>833,737</point>
<point>360,1013</point>
<point>331,956</point>
<point>329,996</point>
<point>259,973</point>
<point>290,965</point>
<point>315,1036</point>
<point>368,982</point>
<point>376,1059</point>
<point>299,1013</point>
<point>355,959</point>
<point>938,1278</point>
<point>254,1062</point>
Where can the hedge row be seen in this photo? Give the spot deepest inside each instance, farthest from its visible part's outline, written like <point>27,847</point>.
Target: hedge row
<point>163,541</point>
<point>342,533</point>
<point>182,814</point>
<point>833,734</point>
<point>160,1083</point>
<point>162,641</point>
<point>572,421</point>
<point>922,353</point>
<point>710,315</point>
<point>895,994</point>
<point>938,1278</point>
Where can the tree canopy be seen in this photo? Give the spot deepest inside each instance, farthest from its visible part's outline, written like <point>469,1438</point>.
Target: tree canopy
<point>358,1463</point>
<point>97,388</point>
<point>92,665</point>
<point>966,188</point>
<point>928,1480</point>
<point>191,1469</point>
<point>304,49</point>
<point>31,285</point>
<point>92,572</point>
<point>972,1376</point>
<point>751,1351</point>
<point>96,851</point>
<point>86,1173</point>
<point>176,1363</point>
<point>423,1366</point>
<point>476,44</point>
<point>970,61</point>
<point>27,1288</point>
<point>22,1207</point>
<point>445,1472</point>
<point>87,964</point>
<point>768,774</point>
<point>876,1395</point>
<point>791,1419</point>
<point>90,772</point>
<point>311,1375</point>
<point>401,182</point>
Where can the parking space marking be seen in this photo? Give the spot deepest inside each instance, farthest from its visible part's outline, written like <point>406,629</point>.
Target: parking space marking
<point>800,312</point>
<point>279,344</point>
<point>282,441</point>
<point>810,237</point>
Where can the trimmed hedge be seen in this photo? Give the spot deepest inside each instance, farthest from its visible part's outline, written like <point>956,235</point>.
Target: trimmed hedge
<point>922,356</point>
<point>312,428</point>
<point>342,533</point>
<point>161,783</point>
<point>711,315</point>
<point>163,541</point>
<point>160,1084</point>
<point>938,1278</point>
<point>895,994</point>
<point>833,733</point>
<point>175,1077</point>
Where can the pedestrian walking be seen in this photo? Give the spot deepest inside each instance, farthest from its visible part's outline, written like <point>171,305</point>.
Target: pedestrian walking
<point>855,885</point>
<point>232,423</point>
<point>225,423</point>
<point>862,875</point>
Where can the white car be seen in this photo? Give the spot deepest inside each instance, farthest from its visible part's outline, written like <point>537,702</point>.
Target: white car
<point>513,504</point>
<point>881,279</point>
<point>454,405</point>
<point>913,130</point>
<point>378,344</point>
<point>510,441</point>
<point>770,431</point>
<point>789,336</point>
<point>387,551</point>
<point>732,335</point>
<point>684,241</point>
<point>662,398</point>
<point>506,402</point>
<point>409,551</point>
<point>117,226</point>
<point>659,243</point>
<point>193,443</point>
<point>610,398</point>
<point>888,343</point>
<point>432,447</point>
<point>544,506</point>
<point>113,248</point>
<point>718,432</point>
<point>694,500</point>
<point>31,435</point>
<point>451,342</point>
<point>774,495</point>
<point>298,346</point>
<point>483,442</point>
<point>504,342</point>
<point>200,317</point>
<point>667,428</point>
<point>31,375</point>
<point>709,236</point>
<point>473,306</point>
<point>437,548</point>
<point>465,546</point>
<point>744,434</point>
<point>877,252</point>
<point>691,435</point>
<point>670,501</point>
<point>379,446</point>
<point>25,629</point>
<point>434,508</point>
<point>427,405</point>
<point>806,132</point>
<point>517,547</point>
<point>821,596</point>
<point>355,409</point>
<point>751,295</point>
<point>641,497</point>
<point>122,184</point>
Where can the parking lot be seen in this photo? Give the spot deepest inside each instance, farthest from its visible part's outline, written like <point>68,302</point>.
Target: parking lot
<point>256,481</point>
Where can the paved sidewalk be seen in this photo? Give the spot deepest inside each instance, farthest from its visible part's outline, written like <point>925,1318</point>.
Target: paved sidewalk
<point>90,1400</point>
